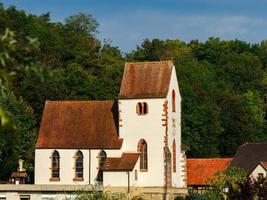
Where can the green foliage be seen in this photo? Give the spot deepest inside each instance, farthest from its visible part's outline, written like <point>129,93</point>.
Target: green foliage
<point>82,23</point>
<point>249,189</point>
<point>95,193</point>
<point>235,184</point>
<point>20,138</point>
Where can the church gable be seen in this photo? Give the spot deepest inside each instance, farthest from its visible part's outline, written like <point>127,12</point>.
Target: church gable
<point>79,125</point>
<point>146,80</point>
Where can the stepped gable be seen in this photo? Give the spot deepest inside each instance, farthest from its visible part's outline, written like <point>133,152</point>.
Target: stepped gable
<point>146,80</point>
<point>79,125</point>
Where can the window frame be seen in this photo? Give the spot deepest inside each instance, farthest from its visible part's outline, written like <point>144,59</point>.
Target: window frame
<point>55,168</point>
<point>78,155</point>
<point>173,101</point>
<point>142,108</point>
<point>143,150</point>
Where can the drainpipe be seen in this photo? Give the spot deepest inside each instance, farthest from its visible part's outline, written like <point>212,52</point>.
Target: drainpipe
<point>128,188</point>
<point>89,166</point>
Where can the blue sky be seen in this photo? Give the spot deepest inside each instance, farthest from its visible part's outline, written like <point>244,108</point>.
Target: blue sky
<point>128,22</point>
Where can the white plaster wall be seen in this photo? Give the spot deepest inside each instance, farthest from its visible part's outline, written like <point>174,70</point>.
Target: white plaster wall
<point>175,132</point>
<point>116,178</point>
<point>257,170</point>
<point>67,172</point>
<point>120,179</point>
<point>148,127</point>
<point>38,196</point>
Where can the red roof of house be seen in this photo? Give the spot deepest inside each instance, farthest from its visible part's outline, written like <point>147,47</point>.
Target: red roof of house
<point>264,164</point>
<point>201,170</point>
<point>124,163</point>
<point>18,175</point>
<point>79,125</point>
<point>146,79</point>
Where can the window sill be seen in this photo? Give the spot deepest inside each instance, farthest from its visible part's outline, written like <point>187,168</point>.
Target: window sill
<point>78,179</point>
<point>54,179</point>
<point>143,170</point>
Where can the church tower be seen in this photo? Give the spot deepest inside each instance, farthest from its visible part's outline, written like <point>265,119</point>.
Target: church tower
<point>150,122</point>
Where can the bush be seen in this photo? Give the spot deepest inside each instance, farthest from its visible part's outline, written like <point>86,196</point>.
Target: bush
<point>96,193</point>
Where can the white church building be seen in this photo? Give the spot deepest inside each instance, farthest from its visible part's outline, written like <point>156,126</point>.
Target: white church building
<point>134,142</point>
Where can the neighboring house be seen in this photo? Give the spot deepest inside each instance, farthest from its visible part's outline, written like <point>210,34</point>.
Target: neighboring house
<point>260,171</point>
<point>252,157</point>
<point>200,171</point>
<point>132,142</point>
<point>20,176</point>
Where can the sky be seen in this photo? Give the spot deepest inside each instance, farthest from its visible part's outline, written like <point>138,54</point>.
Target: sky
<point>126,23</point>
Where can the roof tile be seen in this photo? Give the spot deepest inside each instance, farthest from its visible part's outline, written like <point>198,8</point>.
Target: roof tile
<point>124,163</point>
<point>200,171</point>
<point>79,125</point>
<point>146,80</point>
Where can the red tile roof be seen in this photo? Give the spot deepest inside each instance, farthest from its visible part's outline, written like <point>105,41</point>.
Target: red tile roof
<point>146,79</point>
<point>264,164</point>
<point>124,163</point>
<point>79,125</point>
<point>201,170</point>
<point>18,175</point>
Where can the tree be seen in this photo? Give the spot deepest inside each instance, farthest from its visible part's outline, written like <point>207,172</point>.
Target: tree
<point>82,23</point>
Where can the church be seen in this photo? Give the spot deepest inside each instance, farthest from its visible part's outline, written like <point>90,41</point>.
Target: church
<point>134,142</point>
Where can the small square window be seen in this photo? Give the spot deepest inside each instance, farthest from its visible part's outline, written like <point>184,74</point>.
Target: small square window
<point>260,175</point>
<point>24,197</point>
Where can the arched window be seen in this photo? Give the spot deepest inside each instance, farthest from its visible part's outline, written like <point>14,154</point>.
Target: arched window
<point>102,156</point>
<point>79,165</point>
<point>174,155</point>
<point>142,148</point>
<point>173,101</point>
<point>55,165</point>
<point>141,108</point>
<point>145,108</point>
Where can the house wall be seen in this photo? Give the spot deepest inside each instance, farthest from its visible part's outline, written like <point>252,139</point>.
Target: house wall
<point>134,127</point>
<point>67,171</point>
<point>257,170</point>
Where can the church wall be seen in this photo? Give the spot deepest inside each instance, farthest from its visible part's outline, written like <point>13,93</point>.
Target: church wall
<point>67,172</point>
<point>174,131</point>
<point>67,161</point>
<point>134,127</point>
<point>95,161</point>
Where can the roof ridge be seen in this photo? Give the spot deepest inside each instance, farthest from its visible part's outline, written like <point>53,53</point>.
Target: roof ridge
<point>77,101</point>
<point>150,62</point>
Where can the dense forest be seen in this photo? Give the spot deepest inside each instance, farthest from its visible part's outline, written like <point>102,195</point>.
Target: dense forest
<point>223,83</point>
